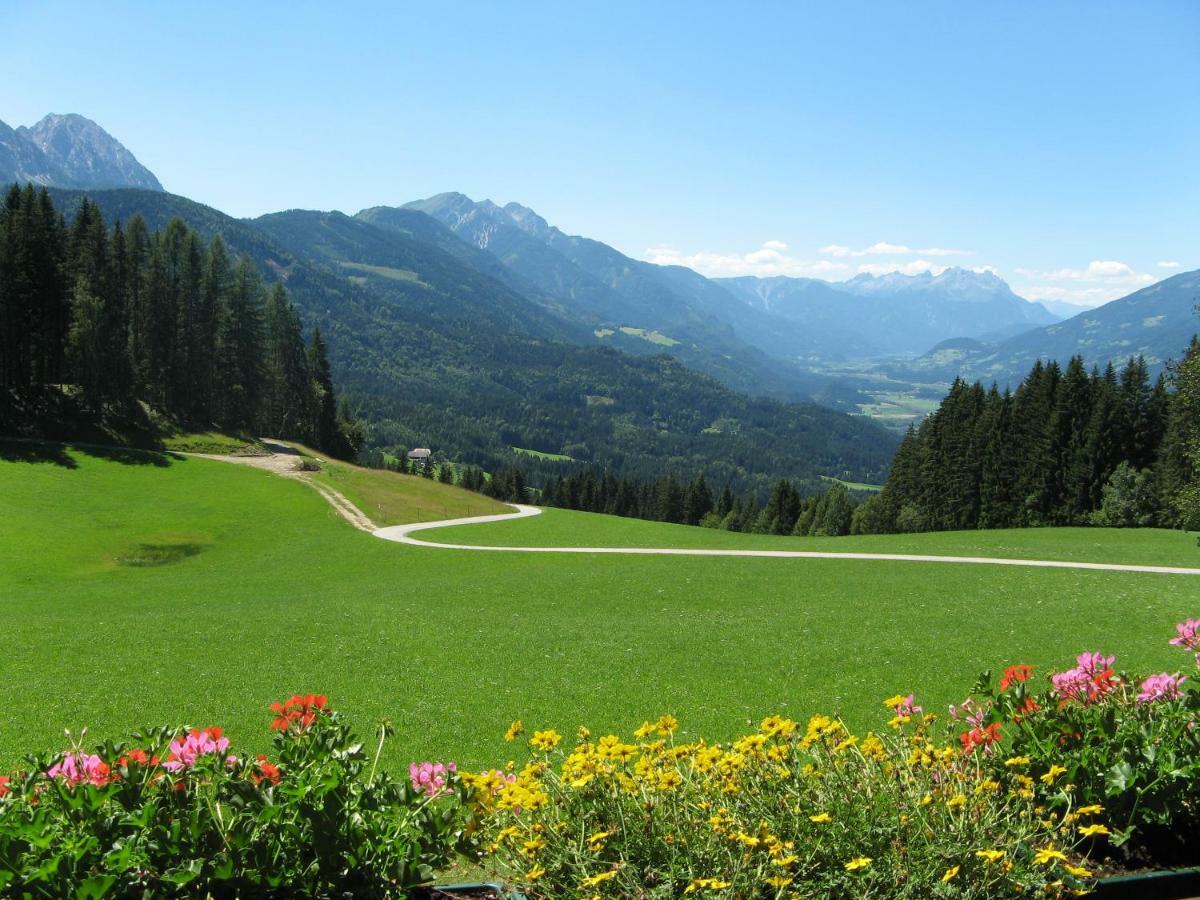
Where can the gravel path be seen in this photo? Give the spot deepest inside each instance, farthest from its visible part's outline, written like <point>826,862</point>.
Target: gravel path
<point>402,534</point>
<point>284,460</point>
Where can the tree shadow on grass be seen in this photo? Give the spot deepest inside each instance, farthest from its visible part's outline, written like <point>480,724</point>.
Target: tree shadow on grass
<point>36,452</point>
<point>128,456</point>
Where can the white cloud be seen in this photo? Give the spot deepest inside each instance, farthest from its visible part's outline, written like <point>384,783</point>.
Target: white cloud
<point>1106,270</point>
<point>885,248</point>
<point>1168,264</point>
<point>1101,281</point>
<point>769,259</point>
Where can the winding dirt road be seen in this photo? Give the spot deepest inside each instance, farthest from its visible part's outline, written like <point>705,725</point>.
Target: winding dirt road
<point>402,534</point>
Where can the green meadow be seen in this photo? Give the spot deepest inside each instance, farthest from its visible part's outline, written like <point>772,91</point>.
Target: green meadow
<point>140,588</point>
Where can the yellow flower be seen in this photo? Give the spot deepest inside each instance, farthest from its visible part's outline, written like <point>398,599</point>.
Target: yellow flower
<point>705,884</point>
<point>1017,761</point>
<point>596,841</point>
<point>545,740</point>
<point>1047,855</point>
<point>1078,871</point>
<point>956,801</point>
<point>1093,830</point>
<point>860,862</point>
<point>645,731</point>
<point>666,725</point>
<point>990,856</point>
<point>535,873</point>
<point>950,873</point>
<point>1094,810</point>
<point>1052,774</point>
<point>893,702</point>
<point>777,726</point>
<point>669,780</point>
<point>599,878</point>
<point>821,818</point>
<point>779,881</point>
<point>513,730</point>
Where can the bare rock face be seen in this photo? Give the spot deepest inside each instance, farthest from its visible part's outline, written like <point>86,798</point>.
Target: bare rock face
<point>69,151</point>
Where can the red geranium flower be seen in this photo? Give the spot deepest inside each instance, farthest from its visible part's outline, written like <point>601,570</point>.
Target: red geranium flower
<point>266,772</point>
<point>1015,674</point>
<point>300,710</point>
<point>981,737</point>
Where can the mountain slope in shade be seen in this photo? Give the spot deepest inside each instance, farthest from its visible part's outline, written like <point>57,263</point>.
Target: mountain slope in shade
<point>891,314</point>
<point>70,151</point>
<point>1156,322</point>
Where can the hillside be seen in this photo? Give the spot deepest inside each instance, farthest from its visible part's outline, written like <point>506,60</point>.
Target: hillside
<point>1156,322</point>
<point>624,299</point>
<point>453,360</point>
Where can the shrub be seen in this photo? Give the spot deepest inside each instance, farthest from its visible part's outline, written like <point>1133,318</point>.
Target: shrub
<point>1107,740</point>
<point>784,811</point>
<point>177,814</point>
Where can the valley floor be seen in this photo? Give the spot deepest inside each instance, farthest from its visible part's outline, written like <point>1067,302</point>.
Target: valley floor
<point>143,588</point>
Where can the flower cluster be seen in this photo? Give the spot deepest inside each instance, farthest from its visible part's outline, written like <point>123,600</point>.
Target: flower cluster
<point>299,712</point>
<point>185,751</point>
<point>430,777</point>
<point>75,768</point>
<point>812,809</point>
<point>176,815</point>
<point>1091,679</point>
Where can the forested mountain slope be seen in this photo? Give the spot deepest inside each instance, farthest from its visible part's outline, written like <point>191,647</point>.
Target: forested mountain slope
<point>467,373</point>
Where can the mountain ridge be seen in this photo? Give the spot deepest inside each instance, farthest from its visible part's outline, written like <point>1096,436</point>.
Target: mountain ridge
<point>69,151</point>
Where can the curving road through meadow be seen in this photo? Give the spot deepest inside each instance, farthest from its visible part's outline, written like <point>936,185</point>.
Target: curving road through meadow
<point>402,534</point>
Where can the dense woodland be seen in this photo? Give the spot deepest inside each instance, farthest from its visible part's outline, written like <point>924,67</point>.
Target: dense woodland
<point>1068,447</point>
<point>122,312</point>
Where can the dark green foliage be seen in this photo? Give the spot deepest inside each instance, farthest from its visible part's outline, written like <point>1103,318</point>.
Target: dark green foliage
<point>1067,448</point>
<point>155,820</point>
<point>158,316</point>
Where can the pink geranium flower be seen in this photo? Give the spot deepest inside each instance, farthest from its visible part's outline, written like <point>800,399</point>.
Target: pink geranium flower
<point>1162,686</point>
<point>77,768</point>
<point>184,751</point>
<point>430,777</point>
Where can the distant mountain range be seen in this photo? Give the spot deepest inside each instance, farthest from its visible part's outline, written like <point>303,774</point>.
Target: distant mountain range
<point>473,270</point>
<point>1156,322</point>
<point>890,314</point>
<point>69,151</point>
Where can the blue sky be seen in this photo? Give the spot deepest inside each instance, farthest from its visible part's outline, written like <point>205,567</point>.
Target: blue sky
<point>1055,142</point>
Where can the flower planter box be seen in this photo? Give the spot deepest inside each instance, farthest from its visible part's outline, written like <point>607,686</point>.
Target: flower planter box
<point>470,891</point>
<point>1168,884</point>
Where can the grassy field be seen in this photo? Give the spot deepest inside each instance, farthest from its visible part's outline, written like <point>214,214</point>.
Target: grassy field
<point>568,528</point>
<point>389,498</point>
<point>138,588</point>
<point>854,485</point>
<point>539,454</point>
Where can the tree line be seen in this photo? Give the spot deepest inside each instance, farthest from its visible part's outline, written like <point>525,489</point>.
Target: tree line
<point>787,510</point>
<point>119,313</point>
<point>1068,447</point>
